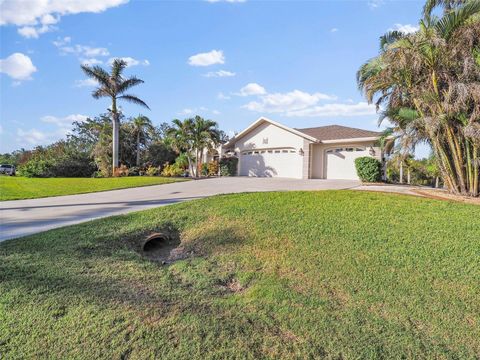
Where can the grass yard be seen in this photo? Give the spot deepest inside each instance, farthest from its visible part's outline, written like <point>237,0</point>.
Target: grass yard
<point>334,274</point>
<point>16,188</point>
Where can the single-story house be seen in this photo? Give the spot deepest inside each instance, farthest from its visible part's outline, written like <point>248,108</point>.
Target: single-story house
<point>269,149</point>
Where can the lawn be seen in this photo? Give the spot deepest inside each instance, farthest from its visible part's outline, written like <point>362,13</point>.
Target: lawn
<point>333,274</point>
<point>16,188</point>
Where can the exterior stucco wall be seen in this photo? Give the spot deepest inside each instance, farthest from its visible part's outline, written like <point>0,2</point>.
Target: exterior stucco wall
<point>318,155</point>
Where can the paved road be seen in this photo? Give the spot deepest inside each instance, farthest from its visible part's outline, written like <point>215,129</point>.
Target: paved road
<point>24,217</point>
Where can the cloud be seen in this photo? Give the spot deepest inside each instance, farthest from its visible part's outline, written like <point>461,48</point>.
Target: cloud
<point>85,83</point>
<point>227,1</point>
<point>373,4</point>
<point>219,73</point>
<point>199,110</point>
<point>405,28</point>
<point>18,66</point>
<point>130,61</point>
<point>91,61</point>
<point>285,102</point>
<point>335,110</point>
<point>207,59</point>
<point>222,96</point>
<point>32,137</point>
<point>35,17</point>
<point>333,30</point>
<point>252,89</point>
<point>64,120</point>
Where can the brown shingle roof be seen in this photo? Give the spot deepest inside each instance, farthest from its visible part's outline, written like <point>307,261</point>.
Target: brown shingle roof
<point>336,132</point>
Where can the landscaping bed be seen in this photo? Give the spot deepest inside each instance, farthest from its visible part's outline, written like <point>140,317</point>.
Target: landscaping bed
<point>330,274</point>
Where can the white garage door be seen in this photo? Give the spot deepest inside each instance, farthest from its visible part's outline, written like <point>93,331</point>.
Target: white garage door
<point>271,163</point>
<point>340,162</point>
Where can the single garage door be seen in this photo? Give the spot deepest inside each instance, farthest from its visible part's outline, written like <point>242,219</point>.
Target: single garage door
<point>340,162</point>
<point>271,163</point>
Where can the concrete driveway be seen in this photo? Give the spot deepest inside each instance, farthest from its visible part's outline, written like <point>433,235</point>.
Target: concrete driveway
<point>24,217</point>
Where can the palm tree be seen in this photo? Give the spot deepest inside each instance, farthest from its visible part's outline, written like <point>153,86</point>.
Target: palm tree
<point>113,85</point>
<point>193,136</point>
<point>142,126</point>
<point>427,84</point>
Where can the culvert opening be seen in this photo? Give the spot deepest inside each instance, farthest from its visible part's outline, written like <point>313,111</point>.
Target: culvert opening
<point>164,247</point>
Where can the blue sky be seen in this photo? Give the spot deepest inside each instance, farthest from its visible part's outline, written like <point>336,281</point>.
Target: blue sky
<point>230,61</point>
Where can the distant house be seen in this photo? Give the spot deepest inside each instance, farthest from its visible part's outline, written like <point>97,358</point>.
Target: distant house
<point>269,149</point>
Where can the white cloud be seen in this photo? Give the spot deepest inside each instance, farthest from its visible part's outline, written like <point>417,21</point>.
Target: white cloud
<point>219,73</point>
<point>335,110</point>
<point>333,30</point>
<point>130,61</point>
<point>207,59</point>
<point>222,96</point>
<point>37,16</point>
<point>186,111</point>
<point>63,121</point>
<point>85,83</point>
<point>91,61</point>
<point>216,112</point>
<point>285,102</point>
<point>406,28</point>
<point>199,110</point>
<point>18,66</point>
<point>252,89</point>
<point>227,1</point>
<point>373,4</point>
<point>32,137</point>
<point>84,50</point>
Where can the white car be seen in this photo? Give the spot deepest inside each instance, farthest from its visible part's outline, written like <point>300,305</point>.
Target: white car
<point>7,169</point>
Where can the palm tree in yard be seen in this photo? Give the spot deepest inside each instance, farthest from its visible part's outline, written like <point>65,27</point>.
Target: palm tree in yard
<point>193,136</point>
<point>114,85</point>
<point>142,126</point>
<point>428,86</point>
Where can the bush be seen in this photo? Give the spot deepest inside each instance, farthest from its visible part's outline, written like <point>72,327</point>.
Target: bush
<point>204,169</point>
<point>122,170</point>
<point>152,171</point>
<point>36,168</point>
<point>368,169</point>
<point>213,168</point>
<point>134,171</point>
<point>228,166</point>
<point>172,170</point>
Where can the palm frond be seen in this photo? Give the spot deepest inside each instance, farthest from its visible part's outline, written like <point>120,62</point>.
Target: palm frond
<point>98,74</point>
<point>451,21</point>
<point>389,38</point>
<point>133,99</point>
<point>118,65</point>
<point>128,83</point>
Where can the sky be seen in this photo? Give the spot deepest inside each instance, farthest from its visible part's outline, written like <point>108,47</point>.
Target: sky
<point>231,61</point>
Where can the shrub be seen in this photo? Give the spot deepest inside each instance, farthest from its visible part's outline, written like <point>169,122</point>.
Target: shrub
<point>134,171</point>
<point>228,166</point>
<point>152,171</point>
<point>368,169</point>
<point>213,168</point>
<point>36,168</point>
<point>172,170</point>
<point>204,169</point>
<point>122,170</point>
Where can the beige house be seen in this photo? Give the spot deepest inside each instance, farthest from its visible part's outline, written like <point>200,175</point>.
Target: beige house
<point>269,149</point>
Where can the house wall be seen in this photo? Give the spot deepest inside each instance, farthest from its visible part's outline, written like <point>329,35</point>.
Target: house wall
<point>318,156</point>
<point>268,136</point>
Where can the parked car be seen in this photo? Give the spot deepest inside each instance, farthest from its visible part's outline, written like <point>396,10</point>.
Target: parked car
<point>7,169</point>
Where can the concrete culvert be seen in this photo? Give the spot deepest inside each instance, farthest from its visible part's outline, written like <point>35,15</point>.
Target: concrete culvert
<point>163,247</point>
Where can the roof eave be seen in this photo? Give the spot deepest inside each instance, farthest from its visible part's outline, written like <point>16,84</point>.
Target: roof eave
<point>350,140</point>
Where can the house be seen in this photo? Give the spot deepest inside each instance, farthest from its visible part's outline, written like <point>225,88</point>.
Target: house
<point>270,149</point>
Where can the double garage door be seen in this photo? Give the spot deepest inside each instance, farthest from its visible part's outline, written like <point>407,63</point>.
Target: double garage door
<point>271,163</point>
<point>340,162</point>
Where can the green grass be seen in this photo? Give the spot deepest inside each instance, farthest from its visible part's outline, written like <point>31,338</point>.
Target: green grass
<point>16,188</point>
<point>340,275</point>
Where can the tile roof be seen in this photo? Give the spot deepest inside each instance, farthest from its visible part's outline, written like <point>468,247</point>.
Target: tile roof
<point>336,132</point>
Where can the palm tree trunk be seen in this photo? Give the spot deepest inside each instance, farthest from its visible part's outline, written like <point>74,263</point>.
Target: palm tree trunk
<point>138,148</point>
<point>115,142</point>
<point>401,172</point>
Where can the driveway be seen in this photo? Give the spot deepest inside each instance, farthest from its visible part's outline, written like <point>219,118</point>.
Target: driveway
<point>24,217</point>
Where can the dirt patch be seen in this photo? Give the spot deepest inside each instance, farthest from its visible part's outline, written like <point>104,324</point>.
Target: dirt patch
<point>444,195</point>
<point>232,286</point>
<point>164,247</point>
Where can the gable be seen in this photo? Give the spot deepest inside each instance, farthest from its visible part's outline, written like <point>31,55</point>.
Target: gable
<point>268,135</point>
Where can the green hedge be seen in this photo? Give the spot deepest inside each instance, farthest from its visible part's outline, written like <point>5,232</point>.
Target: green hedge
<point>368,169</point>
<point>228,166</point>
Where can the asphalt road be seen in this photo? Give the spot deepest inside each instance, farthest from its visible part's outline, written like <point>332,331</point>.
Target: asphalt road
<point>23,217</point>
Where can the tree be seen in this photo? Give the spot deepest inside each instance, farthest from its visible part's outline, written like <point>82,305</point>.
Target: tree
<point>193,136</point>
<point>428,85</point>
<point>114,86</point>
<point>142,126</point>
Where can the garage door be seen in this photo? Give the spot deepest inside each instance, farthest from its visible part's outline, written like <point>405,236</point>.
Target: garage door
<point>271,163</point>
<point>340,162</point>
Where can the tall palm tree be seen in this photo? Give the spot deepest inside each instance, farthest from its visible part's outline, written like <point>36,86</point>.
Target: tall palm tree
<point>114,86</point>
<point>193,136</point>
<point>142,126</point>
<point>427,84</point>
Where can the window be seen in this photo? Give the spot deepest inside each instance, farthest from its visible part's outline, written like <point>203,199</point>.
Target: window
<point>277,151</point>
<point>359,149</point>
<point>292,151</point>
<point>329,151</point>
<point>349,149</point>
<point>270,151</point>
<point>249,153</point>
<point>284,151</point>
<point>255,152</point>
<point>262,152</point>
<point>338,149</point>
